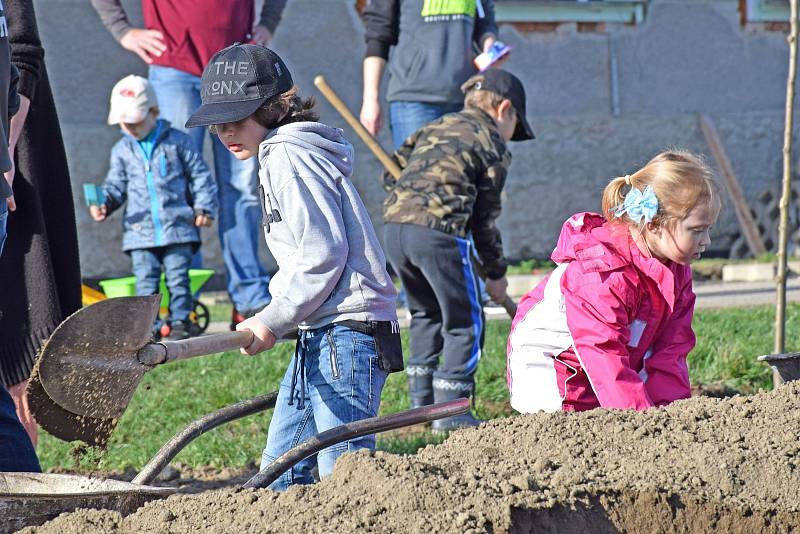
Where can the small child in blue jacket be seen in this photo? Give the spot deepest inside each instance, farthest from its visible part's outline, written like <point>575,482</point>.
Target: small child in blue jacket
<point>170,193</point>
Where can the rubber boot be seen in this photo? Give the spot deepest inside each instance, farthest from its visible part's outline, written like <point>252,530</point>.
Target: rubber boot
<point>449,390</point>
<point>420,385</point>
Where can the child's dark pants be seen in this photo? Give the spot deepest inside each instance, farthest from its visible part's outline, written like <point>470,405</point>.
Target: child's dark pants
<point>176,259</point>
<point>443,298</point>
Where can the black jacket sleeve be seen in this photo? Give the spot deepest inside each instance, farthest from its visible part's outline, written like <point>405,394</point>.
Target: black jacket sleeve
<point>271,14</point>
<point>484,24</point>
<point>381,18</point>
<point>27,53</point>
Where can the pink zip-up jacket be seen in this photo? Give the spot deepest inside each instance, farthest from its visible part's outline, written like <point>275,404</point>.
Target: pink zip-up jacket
<point>610,327</point>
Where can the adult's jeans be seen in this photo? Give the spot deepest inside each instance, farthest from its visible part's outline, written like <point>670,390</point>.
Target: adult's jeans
<point>16,450</point>
<point>239,221</point>
<point>405,117</point>
<point>176,259</point>
<point>334,378</point>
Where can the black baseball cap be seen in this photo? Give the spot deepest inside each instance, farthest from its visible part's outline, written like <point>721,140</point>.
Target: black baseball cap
<point>508,86</point>
<point>237,81</point>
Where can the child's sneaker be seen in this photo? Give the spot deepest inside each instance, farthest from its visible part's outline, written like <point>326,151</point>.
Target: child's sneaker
<point>183,330</point>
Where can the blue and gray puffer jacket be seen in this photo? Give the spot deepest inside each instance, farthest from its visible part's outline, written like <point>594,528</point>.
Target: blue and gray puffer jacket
<point>165,186</point>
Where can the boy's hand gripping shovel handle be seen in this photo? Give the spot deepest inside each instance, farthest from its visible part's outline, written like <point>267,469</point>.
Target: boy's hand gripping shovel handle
<point>169,351</point>
<point>388,163</point>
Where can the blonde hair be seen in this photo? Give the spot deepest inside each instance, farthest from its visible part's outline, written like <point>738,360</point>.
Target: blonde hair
<point>680,180</point>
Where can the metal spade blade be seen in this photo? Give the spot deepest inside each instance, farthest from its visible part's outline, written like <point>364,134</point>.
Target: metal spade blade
<point>89,366</point>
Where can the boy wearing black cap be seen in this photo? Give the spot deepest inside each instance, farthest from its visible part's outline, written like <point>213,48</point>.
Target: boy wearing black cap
<point>331,282</point>
<point>453,173</point>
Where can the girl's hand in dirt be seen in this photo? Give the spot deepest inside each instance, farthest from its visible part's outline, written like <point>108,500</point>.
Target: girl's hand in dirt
<point>263,338</point>
<point>98,213</point>
<point>202,220</point>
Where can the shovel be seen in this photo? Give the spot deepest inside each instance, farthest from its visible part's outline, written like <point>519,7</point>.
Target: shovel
<point>91,365</point>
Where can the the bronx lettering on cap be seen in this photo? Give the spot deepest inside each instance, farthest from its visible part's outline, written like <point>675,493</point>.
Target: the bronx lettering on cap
<point>232,77</point>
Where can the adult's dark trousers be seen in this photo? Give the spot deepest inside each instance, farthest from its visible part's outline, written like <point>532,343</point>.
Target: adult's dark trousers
<point>443,299</point>
<point>16,449</point>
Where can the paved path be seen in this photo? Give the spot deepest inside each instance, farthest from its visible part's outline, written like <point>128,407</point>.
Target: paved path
<point>738,294</point>
<point>709,295</point>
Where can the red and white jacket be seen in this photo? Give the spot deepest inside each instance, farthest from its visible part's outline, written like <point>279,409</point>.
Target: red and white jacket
<point>610,327</point>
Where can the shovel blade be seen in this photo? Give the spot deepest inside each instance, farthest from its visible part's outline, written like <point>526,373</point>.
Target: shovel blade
<point>89,366</point>
<point>64,424</point>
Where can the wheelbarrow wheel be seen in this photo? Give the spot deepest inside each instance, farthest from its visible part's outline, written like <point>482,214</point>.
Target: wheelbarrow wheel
<point>201,315</point>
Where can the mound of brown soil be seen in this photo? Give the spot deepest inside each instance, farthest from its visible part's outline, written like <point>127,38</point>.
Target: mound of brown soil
<point>699,465</point>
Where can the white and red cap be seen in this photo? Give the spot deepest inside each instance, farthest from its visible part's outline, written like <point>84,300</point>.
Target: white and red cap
<point>131,99</point>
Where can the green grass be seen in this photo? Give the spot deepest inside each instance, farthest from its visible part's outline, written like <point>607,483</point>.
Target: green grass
<point>171,396</point>
<point>729,340</point>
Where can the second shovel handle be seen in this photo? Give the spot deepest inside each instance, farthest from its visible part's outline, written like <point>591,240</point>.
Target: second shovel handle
<point>168,351</point>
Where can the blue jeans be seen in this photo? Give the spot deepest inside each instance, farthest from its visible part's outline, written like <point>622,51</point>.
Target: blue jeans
<point>176,260</point>
<point>239,222</point>
<point>405,118</point>
<point>333,379</point>
<point>3,223</point>
<point>16,450</point>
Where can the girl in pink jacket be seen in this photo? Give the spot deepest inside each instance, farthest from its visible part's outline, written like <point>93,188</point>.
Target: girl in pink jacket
<point>612,325</point>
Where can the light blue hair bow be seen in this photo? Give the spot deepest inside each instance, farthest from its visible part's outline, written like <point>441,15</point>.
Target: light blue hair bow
<point>639,205</point>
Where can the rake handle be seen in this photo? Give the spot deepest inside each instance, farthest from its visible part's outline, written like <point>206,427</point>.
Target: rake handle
<point>169,351</point>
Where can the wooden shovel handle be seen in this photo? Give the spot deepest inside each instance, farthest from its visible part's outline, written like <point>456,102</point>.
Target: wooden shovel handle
<point>331,96</point>
<point>168,351</point>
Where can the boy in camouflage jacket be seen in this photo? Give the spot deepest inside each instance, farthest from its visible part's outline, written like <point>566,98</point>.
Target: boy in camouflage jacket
<point>449,191</point>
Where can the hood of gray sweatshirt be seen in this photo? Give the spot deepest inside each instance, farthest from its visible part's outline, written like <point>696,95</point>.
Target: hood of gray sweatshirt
<point>330,263</point>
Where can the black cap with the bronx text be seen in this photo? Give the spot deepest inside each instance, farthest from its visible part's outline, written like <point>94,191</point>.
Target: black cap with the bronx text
<point>237,81</point>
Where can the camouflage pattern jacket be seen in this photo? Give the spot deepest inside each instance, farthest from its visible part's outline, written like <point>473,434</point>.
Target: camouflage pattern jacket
<point>454,170</point>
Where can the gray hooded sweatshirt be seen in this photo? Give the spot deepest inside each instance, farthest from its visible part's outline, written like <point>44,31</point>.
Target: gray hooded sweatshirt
<point>330,264</point>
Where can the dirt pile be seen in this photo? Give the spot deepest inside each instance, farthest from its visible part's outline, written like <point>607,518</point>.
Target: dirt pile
<point>697,466</point>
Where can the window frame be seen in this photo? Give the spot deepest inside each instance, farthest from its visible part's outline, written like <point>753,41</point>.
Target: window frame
<point>565,11</point>
<point>764,10</point>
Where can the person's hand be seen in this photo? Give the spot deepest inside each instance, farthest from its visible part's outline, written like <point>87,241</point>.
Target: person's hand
<point>263,338</point>
<point>261,35</point>
<point>371,116</point>
<point>497,289</point>
<point>98,213</point>
<point>16,124</point>
<point>202,220</point>
<point>488,42</point>
<point>144,43</point>
<point>9,176</point>
<point>19,394</point>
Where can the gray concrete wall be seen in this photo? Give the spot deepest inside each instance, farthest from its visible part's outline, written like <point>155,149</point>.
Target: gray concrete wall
<point>687,57</point>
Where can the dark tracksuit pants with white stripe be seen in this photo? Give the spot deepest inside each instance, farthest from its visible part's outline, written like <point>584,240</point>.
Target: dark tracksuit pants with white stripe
<point>443,298</point>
